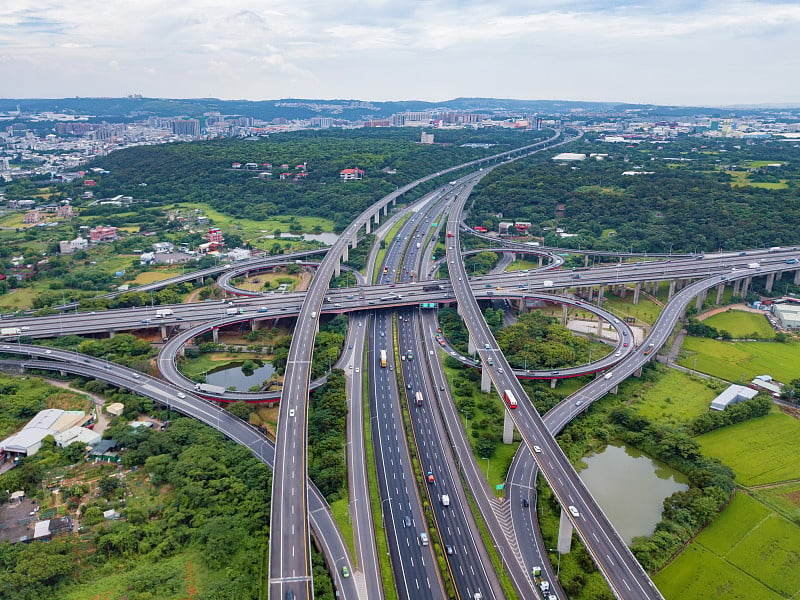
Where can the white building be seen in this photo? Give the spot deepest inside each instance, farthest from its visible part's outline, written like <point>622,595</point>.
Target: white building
<point>569,156</point>
<point>51,421</point>
<point>79,243</point>
<point>84,436</point>
<point>787,314</point>
<point>732,395</point>
<point>239,254</point>
<point>163,247</point>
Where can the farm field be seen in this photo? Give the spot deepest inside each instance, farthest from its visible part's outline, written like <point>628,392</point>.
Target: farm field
<point>741,324</point>
<point>734,361</point>
<point>675,397</point>
<point>746,553</point>
<point>522,265</point>
<point>157,275</point>
<point>762,450</point>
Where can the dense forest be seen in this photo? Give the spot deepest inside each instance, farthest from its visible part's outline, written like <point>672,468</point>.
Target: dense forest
<point>201,171</point>
<point>690,195</point>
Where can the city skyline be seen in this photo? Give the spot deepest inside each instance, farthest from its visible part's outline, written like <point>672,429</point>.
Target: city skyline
<point>708,53</point>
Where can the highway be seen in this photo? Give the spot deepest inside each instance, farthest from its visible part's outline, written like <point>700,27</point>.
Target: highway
<point>624,574</point>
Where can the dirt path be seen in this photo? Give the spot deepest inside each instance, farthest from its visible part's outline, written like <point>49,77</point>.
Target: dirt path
<point>721,309</point>
<point>98,401</point>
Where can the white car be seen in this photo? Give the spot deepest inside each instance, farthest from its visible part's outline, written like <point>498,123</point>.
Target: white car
<point>181,395</point>
<point>574,511</point>
<point>291,412</point>
<point>537,449</point>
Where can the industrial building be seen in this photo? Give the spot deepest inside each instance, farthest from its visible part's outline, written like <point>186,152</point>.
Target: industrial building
<point>787,314</point>
<point>28,440</point>
<point>732,395</point>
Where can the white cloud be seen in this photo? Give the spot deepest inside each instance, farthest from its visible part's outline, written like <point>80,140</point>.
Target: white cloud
<point>378,49</point>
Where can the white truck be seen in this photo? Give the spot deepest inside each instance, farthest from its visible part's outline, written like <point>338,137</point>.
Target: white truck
<point>754,265</point>
<point>163,312</point>
<point>231,311</point>
<point>547,283</point>
<point>209,388</point>
<point>11,331</point>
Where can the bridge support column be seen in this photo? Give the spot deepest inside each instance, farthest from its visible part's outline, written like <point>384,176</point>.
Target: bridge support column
<point>385,209</point>
<point>614,390</point>
<point>215,334</point>
<point>736,285</point>
<point>508,428</point>
<point>622,290</point>
<point>564,534</point>
<point>163,332</point>
<point>638,372</point>
<point>354,241</point>
<point>637,288</point>
<point>600,293</point>
<point>199,281</point>
<point>671,292</point>
<point>585,260</point>
<point>346,254</point>
<point>337,269</point>
<point>720,290</point>
<point>541,260</point>
<point>770,282</point>
<point>600,327</point>
<point>746,285</point>
<point>553,383</point>
<point>369,226</point>
<point>698,304</point>
<point>112,333</point>
<point>377,217</point>
<point>486,381</point>
<point>797,277</point>
<point>564,309</point>
<point>253,325</point>
<point>471,348</point>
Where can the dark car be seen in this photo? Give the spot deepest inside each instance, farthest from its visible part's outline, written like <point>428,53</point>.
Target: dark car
<point>525,503</point>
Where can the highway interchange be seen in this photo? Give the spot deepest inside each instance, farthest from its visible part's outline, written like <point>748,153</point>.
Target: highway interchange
<point>295,501</point>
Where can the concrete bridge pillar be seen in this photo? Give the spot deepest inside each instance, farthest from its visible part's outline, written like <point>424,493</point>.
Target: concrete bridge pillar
<point>585,260</point>
<point>377,217</point>
<point>369,226</point>
<point>385,209</point>
<point>215,334</point>
<point>199,281</point>
<point>163,332</point>
<point>797,277</point>
<point>508,428</point>
<point>600,293</point>
<point>623,289</point>
<point>346,254</point>
<point>471,348</point>
<point>564,310</point>
<point>637,288</point>
<point>746,285</point>
<point>394,201</point>
<point>770,281</point>
<point>599,327</point>
<point>564,544</point>
<point>354,241</point>
<point>736,285</point>
<point>253,325</point>
<point>553,383</point>
<point>720,291</point>
<point>486,381</point>
<point>541,260</point>
<point>337,269</point>
<point>671,292</point>
<point>112,333</point>
<point>614,390</point>
<point>699,301</point>
<point>638,372</point>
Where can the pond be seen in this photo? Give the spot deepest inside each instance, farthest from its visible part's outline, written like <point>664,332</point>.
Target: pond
<point>325,237</point>
<point>630,488</point>
<point>231,376</point>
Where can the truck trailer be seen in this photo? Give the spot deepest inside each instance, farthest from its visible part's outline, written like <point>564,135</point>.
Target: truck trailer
<point>209,388</point>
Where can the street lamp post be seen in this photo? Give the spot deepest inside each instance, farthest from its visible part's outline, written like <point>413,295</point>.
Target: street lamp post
<point>558,568</point>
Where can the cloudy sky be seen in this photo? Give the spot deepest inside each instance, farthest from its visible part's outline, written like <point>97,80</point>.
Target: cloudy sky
<point>712,52</point>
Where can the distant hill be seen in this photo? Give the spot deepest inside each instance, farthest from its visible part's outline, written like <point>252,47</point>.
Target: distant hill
<point>297,108</point>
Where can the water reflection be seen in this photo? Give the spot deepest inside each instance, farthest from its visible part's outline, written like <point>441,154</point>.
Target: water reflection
<point>232,376</point>
<point>630,488</point>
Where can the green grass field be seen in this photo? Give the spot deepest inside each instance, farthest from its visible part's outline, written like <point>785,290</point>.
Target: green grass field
<point>735,361</point>
<point>763,450</point>
<point>784,499</point>
<point>741,324</point>
<point>748,553</point>
<point>646,311</point>
<point>255,229</point>
<point>522,265</point>
<point>674,398</point>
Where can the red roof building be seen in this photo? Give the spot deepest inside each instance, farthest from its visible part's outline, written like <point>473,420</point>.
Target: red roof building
<point>101,233</point>
<point>214,236</point>
<point>351,174</point>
